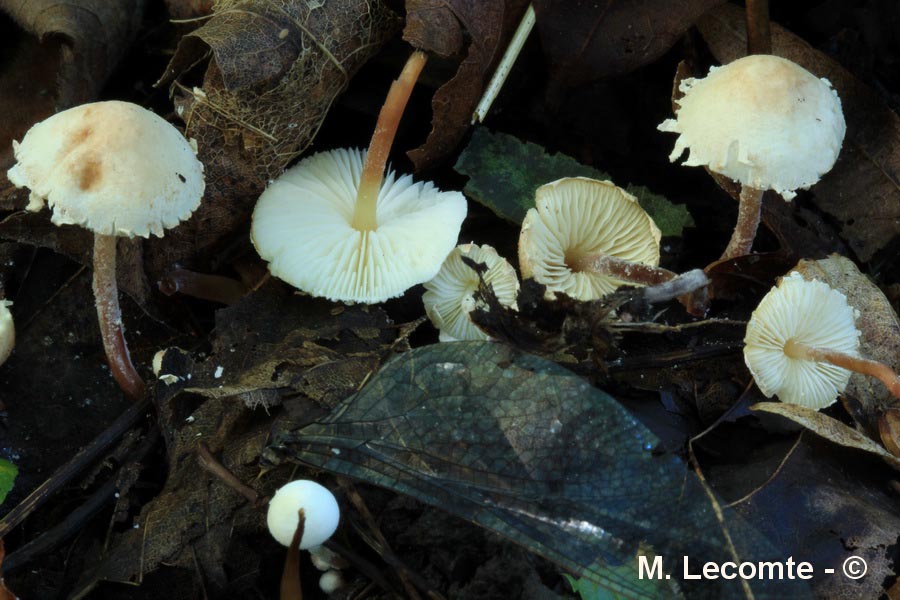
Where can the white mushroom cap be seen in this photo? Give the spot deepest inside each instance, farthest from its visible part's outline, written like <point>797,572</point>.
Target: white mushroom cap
<point>112,167</point>
<point>575,217</point>
<point>331,581</point>
<point>761,120</point>
<point>449,297</point>
<point>7,331</point>
<point>809,313</point>
<point>302,227</point>
<point>319,507</point>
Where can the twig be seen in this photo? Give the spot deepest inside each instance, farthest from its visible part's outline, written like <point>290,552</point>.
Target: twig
<point>771,477</point>
<point>80,461</point>
<point>212,465</point>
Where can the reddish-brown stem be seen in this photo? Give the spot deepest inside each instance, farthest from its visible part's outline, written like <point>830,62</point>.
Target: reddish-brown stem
<point>382,139</point>
<point>759,35</point>
<point>864,366</point>
<point>290,576</point>
<point>213,466</point>
<point>749,212</point>
<point>624,270</point>
<point>214,288</point>
<point>106,295</point>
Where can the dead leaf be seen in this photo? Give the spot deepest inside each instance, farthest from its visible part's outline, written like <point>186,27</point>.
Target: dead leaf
<point>877,323</point>
<point>276,69</point>
<point>587,40</point>
<point>862,191</point>
<point>829,428</point>
<point>889,430</point>
<point>77,243</point>
<point>61,57</point>
<point>5,594</point>
<point>188,9</point>
<point>441,27</point>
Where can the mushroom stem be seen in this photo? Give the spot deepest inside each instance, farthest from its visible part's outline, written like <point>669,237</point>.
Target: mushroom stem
<point>759,36</point>
<point>106,295</point>
<point>749,212</point>
<point>864,366</point>
<point>624,270</point>
<point>382,138</point>
<point>290,576</point>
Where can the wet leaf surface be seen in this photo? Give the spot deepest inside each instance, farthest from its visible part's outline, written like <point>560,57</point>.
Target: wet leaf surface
<point>829,428</point>
<point>586,40</point>
<point>525,448</point>
<point>868,169</point>
<point>443,27</point>
<point>504,173</point>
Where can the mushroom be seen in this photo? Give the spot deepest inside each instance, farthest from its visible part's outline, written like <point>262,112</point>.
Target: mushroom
<point>802,343</point>
<point>120,171</point>
<point>763,121</point>
<point>336,226</point>
<point>318,505</point>
<point>7,331</point>
<point>449,296</point>
<point>586,237</point>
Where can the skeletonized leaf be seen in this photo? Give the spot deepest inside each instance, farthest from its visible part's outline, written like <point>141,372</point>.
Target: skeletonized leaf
<point>862,191</point>
<point>523,447</point>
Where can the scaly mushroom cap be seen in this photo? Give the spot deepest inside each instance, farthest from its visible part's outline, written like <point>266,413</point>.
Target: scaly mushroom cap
<point>7,331</point>
<point>575,217</point>
<point>761,120</point>
<point>319,508</point>
<point>302,227</point>
<point>112,167</point>
<point>810,313</point>
<point>449,297</point>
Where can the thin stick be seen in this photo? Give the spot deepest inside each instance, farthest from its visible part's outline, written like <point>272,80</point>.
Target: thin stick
<point>872,368</point>
<point>625,270</point>
<point>505,66</point>
<point>382,139</point>
<point>290,576</point>
<point>749,212</point>
<point>212,465</point>
<point>65,473</point>
<point>214,288</point>
<point>759,34</point>
<point>106,295</point>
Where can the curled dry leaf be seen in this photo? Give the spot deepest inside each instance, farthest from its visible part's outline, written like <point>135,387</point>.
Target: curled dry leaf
<point>877,323</point>
<point>61,57</point>
<point>889,430</point>
<point>586,40</point>
<point>829,428</point>
<point>442,27</point>
<point>276,67</point>
<point>868,170</point>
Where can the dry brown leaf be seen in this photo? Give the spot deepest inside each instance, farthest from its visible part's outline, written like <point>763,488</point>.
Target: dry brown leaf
<point>61,57</point>
<point>587,40</point>
<point>889,430</point>
<point>276,68</point>
<point>829,428</point>
<point>442,26</point>
<point>863,190</point>
<point>877,323</point>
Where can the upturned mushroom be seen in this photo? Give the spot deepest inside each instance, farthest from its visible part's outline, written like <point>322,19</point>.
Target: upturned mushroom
<point>120,171</point>
<point>319,507</point>
<point>586,238</point>
<point>764,122</point>
<point>802,344</point>
<point>336,226</point>
<point>450,296</point>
